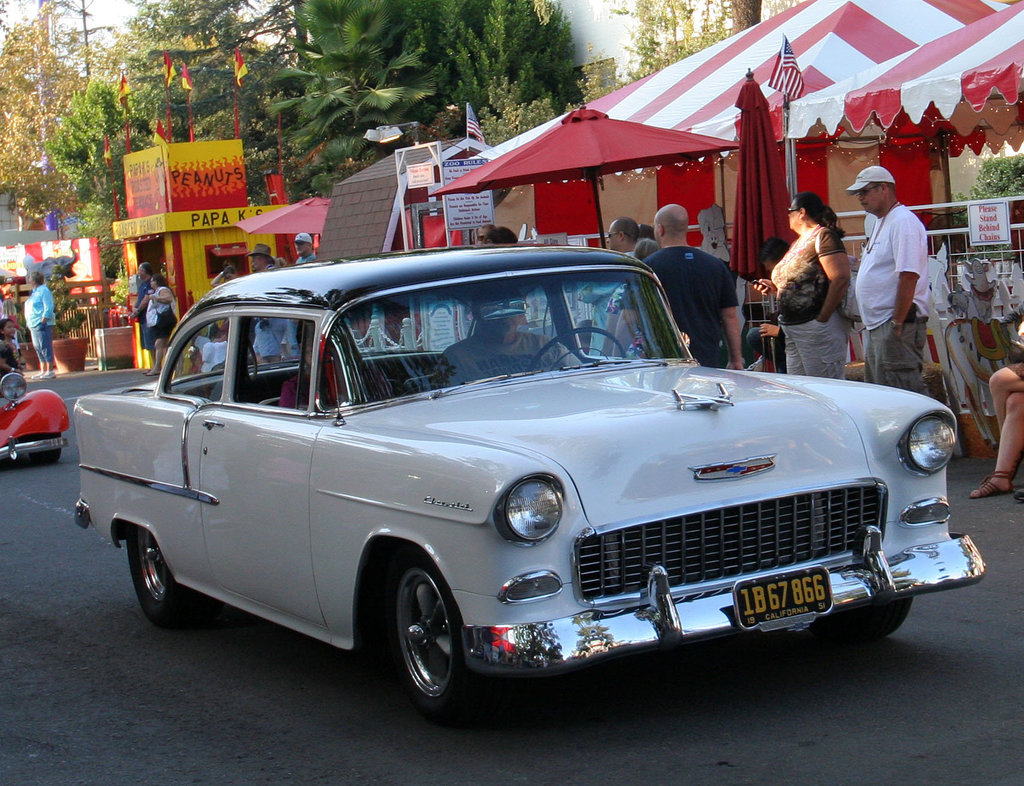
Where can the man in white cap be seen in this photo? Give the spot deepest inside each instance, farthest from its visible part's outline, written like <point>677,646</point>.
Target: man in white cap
<point>892,285</point>
<point>304,247</point>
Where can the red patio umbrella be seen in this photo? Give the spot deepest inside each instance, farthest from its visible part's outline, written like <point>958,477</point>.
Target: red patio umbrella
<point>762,197</point>
<point>308,215</point>
<point>585,145</point>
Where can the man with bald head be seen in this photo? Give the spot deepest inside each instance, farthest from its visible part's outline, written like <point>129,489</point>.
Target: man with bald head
<point>623,234</point>
<point>700,290</point>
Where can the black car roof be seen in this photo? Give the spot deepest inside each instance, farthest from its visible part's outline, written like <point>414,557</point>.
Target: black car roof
<point>334,283</point>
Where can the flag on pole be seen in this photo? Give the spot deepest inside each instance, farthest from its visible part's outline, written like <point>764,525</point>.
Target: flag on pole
<point>240,69</point>
<point>472,125</point>
<point>168,70</point>
<point>186,80</point>
<point>106,150</point>
<point>123,90</point>
<point>161,134</point>
<point>786,76</point>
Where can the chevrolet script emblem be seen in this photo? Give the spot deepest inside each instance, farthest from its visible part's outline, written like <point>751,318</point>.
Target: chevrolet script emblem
<point>730,470</point>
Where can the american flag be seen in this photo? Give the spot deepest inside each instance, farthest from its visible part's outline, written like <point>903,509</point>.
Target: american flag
<point>472,125</point>
<point>786,76</point>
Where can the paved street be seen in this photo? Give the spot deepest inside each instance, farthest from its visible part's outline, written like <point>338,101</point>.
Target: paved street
<point>92,693</point>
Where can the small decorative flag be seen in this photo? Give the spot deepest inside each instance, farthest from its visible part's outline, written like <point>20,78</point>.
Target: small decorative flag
<point>106,150</point>
<point>123,90</point>
<point>160,130</point>
<point>472,125</point>
<point>168,70</point>
<point>186,80</point>
<point>786,76</point>
<point>240,69</point>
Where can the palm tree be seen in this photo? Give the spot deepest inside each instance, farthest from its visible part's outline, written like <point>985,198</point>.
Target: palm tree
<point>347,83</point>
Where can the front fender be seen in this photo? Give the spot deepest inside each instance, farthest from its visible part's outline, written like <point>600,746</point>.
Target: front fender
<point>39,412</point>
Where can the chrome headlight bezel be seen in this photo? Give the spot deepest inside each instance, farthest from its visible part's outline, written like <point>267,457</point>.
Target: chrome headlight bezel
<point>927,446</point>
<point>13,386</point>
<point>531,510</point>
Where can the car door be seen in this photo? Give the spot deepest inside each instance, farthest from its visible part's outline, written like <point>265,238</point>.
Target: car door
<point>255,460</point>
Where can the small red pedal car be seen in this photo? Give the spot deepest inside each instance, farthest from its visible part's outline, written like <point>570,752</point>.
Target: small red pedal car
<point>31,423</point>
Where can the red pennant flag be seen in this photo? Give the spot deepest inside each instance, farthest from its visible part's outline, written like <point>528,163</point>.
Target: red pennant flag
<point>240,69</point>
<point>123,90</point>
<point>168,70</point>
<point>160,130</point>
<point>106,150</point>
<point>186,80</point>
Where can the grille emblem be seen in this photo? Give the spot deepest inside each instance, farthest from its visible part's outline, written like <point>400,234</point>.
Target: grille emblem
<point>731,470</point>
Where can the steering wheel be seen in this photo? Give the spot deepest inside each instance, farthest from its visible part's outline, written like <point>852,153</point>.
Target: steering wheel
<point>577,353</point>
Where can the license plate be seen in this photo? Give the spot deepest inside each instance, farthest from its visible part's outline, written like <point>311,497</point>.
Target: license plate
<point>782,600</point>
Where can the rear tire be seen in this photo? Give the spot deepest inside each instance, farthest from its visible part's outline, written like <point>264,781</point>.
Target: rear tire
<point>164,601</point>
<point>424,630</point>
<point>858,626</point>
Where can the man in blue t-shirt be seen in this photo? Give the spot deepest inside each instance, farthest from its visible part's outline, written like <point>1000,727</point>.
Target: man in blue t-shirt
<point>700,290</point>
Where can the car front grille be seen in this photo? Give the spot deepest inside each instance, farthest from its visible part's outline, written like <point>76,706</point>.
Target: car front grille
<point>732,541</point>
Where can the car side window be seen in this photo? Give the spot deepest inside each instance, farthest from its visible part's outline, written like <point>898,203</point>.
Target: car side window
<point>275,361</point>
<point>198,369</point>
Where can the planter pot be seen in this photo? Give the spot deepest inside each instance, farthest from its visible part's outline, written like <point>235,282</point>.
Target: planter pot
<point>69,354</point>
<point>28,354</point>
<point>115,347</point>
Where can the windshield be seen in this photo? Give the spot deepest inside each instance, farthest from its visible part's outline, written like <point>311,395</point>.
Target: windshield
<point>430,338</point>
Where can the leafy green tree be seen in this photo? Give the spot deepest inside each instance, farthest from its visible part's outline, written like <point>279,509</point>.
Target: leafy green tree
<point>517,51</point>
<point>39,79</point>
<point>353,75</point>
<point>665,31</point>
<point>1000,177</point>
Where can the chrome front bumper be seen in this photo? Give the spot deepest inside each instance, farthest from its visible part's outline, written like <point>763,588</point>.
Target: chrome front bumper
<point>11,449</point>
<point>662,622</point>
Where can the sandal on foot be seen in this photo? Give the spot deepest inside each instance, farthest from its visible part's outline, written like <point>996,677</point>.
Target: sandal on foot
<point>990,489</point>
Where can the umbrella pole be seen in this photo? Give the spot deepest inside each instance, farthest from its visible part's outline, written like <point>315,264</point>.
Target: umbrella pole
<point>592,177</point>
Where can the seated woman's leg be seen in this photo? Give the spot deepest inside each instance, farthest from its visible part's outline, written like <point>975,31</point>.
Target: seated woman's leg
<point>1011,446</point>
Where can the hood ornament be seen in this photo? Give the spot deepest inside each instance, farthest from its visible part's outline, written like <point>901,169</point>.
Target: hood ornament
<point>733,470</point>
<point>687,401</point>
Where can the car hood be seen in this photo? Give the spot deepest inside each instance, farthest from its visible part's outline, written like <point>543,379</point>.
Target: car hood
<point>630,449</point>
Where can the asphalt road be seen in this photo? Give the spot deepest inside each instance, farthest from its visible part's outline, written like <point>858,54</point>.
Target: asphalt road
<point>92,693</point>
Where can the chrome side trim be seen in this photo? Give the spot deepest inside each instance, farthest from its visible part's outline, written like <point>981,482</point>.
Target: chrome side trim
<point>155,485</point>
<point>660,621</point>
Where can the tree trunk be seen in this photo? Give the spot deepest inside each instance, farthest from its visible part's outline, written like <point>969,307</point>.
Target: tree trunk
<point>745,13</point>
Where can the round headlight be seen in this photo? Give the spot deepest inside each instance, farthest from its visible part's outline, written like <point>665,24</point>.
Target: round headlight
<point>13,386</point>
<point>929,444</point>
<point>532,510</point>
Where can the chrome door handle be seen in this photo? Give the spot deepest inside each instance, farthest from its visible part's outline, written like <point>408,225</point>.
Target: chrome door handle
<point>210,425</point>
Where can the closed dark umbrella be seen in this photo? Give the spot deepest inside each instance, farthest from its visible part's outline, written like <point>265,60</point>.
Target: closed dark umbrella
<point>762,198</point>
<point>583,146</point>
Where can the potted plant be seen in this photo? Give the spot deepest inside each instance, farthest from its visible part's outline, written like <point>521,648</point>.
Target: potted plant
<point>68,349</point>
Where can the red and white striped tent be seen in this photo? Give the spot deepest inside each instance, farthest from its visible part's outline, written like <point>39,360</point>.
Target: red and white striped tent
<point>832,40</point>
<point>968,81</point>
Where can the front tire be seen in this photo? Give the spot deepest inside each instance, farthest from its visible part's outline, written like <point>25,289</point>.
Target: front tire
<point>45,456</point>
<point>859,626</point>
<point>425,637</point>
<point>164,601</point>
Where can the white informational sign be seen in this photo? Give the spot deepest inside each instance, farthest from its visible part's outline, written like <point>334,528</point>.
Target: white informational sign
<point>421,175</point>
<point>466,211</point>
<point>989,222</point>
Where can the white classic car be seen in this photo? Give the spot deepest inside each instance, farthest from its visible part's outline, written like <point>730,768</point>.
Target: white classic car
<point>505,462</point>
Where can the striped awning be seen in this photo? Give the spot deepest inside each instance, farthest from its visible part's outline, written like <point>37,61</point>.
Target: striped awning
<point>971,76</point>
<point>832,40</point>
